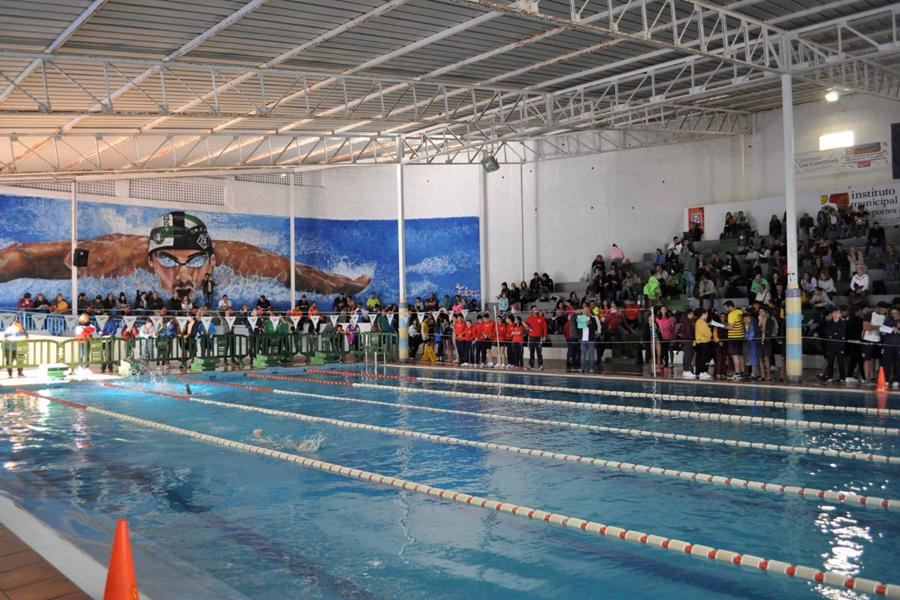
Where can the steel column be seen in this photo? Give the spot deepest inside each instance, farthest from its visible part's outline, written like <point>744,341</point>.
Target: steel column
<point>793,313</point>
<point>291,198</point>
<point>403,328</point>
<point>74,228</point>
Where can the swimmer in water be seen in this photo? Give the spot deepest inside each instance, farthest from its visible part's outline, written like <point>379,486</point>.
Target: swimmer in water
<point>258,433</point>
<point>187,388</point>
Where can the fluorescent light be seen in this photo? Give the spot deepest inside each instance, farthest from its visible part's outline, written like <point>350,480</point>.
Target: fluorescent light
<point>833,96</point>
<point>841,139</point>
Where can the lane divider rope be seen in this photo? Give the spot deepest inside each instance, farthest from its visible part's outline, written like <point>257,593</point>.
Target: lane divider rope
<point>790,490</point>
<point>884,412</point>
<point>717,556</point>
<point>863,456</point>
<point>639,410</point>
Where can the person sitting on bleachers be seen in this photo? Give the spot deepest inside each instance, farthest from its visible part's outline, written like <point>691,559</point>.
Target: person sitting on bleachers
<point>756,239</point>
<point>764,254</point>
<point>891,258</point>
<point>731,267</point>
<point>752,254</point>
<point>706,291</point>
<point>525,292</point>
<point>743,223</point>
<point>671,260</point>
<point>598,265</point>
<point>875,239</point>
<point>729,229</point>
<point>695,232</point>
<point>658,257</point>
<point>861,222</point>
<point>714,269</point>
<point>515,294</point>
<point>827,284</point>
<point>847,220</point>
<point>534,286</point>
<point>808,283</point>
<point>859,284</point>
<point>755,285</point>
<point>546,287</point>
<point>821,224</point>
<point>775,227</point>
<point>805,227</point>
<point>776,263</point>
<point>675,245</point>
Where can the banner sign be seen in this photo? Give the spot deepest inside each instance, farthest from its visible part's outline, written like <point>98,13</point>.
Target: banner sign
<point>862,156</point>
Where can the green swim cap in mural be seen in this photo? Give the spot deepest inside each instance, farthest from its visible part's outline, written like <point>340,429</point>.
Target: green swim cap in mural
<point>179,231</point>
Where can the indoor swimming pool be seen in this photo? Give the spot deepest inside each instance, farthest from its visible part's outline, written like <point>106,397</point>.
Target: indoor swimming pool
<point>332,483</point>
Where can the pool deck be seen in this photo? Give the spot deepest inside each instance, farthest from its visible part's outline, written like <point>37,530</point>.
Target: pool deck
<point>25,575</point>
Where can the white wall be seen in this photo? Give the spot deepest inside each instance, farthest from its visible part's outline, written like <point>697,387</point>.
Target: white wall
<point>636,198</point>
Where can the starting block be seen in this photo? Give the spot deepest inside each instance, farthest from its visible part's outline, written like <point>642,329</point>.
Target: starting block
<point>199,365</point>
<point>54,370</point>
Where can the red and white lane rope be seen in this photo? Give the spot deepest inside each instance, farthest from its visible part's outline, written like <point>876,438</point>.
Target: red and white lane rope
<point>863,456</point>
<point>638,410</point>
<point>777,488</point>
<point>716,555</point>
<point>882,412</point>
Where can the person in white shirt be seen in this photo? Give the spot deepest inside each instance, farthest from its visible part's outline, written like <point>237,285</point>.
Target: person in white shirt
<point>859,285</point>
<point>827,284</point>
<point>871,350</point>
<point>224,304</point>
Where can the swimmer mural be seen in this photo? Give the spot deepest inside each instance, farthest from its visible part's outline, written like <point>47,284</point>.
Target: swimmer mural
<point>144,248</point>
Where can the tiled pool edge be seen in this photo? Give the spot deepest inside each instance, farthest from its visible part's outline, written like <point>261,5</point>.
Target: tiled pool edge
<point>78,567</point>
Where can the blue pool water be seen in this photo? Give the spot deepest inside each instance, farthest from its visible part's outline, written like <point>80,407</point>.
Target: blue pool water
<point>213,522</point>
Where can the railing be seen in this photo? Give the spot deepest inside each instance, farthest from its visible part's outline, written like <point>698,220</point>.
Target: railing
<point>73,352</point>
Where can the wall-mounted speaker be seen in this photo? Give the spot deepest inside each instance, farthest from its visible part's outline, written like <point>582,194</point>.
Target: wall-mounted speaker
<point>81,257</point>
<point>490,164</point>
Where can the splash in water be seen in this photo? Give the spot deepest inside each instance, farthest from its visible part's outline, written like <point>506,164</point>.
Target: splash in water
<point>309,445</point>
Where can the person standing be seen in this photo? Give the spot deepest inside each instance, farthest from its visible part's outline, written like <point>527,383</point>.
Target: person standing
<point>517,334</point>
<point>735,329</point>
<point>462,343</point>
<point>489,333</point>
<point>107,336</point>
<point>478,347</point>
<point>834,335</point>
<point>686,335</point>
<point>872,323</point>
<point>703,344</point>
<point>570,331</point>
<point>12,335</point>
<point>587,335</point>
<point>537,333</point>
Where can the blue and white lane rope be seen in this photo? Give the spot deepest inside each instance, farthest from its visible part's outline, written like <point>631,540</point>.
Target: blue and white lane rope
<point>861,410</point>
<point>825,452</point>
<point>637,410</point>
<point>717,556</point>
<point>776,488</point>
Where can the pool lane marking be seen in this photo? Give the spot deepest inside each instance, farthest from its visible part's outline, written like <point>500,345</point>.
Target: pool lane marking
<point>718,556</point>
<point>681,414</point>
<point>863,456</point>
<point>777,488</point>
<point>883,412</point>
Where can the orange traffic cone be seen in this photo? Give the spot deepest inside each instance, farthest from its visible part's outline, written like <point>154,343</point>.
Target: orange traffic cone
<point>882,387</point>
<point>120,581</point>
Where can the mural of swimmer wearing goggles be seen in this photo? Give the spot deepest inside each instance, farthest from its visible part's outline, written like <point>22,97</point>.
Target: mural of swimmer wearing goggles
<point>179,251</point>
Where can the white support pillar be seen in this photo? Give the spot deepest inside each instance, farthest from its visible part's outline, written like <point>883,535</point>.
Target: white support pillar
<point>793,314</point>
<point>482,236</point>
<point>522,214</point>
<point>74,227</point>
<point>401,253</point>
<point>291,198</point>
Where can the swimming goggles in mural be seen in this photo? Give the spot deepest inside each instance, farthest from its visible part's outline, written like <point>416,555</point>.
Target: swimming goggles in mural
<point>195,261</point>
